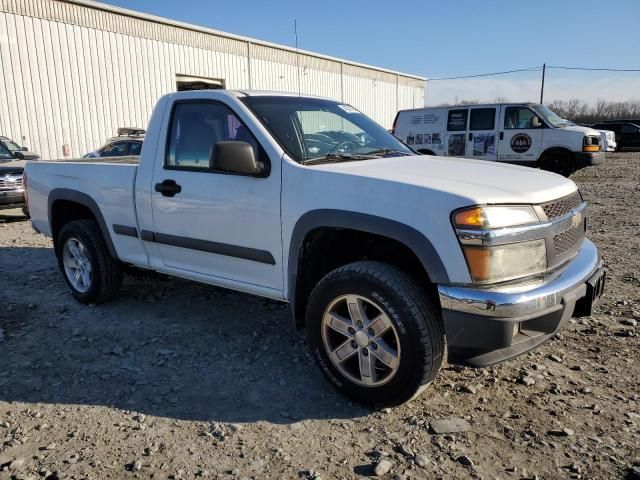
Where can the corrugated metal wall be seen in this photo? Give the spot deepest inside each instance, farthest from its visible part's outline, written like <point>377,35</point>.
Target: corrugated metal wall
<point>73,73</point>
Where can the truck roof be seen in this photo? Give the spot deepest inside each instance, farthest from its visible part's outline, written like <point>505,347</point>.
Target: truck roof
<point>252,93</point>
<point>466,105</point>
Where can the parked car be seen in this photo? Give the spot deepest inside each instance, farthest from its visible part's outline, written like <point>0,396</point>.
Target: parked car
<point>386,257</point>
<point>521,133</point>
<point>18,152</point>
<point>11,187</point>
<point>635,121</point>
<point>627,134</point>
<point>127,143</point>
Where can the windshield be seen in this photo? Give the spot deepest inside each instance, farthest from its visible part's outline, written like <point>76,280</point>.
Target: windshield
<point>11,145</point>
<point>311,129</point>
<point>5,154</point>
<point>550,117</point>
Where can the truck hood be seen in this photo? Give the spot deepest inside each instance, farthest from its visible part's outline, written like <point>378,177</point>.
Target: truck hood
<point>476,181</point>
<point>14,166</point>
<point>27,155</point>
<point>578,128</point>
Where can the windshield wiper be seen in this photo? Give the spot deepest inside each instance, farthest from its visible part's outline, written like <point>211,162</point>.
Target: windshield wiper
<point>335,158</point>
<point>386,151</point>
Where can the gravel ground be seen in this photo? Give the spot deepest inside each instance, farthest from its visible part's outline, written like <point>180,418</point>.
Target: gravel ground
<point>179,380</point>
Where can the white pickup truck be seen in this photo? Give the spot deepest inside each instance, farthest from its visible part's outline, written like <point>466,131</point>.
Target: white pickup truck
<point>386,257</point>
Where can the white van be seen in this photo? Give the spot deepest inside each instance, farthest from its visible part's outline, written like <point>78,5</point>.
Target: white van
<point>521,133</point>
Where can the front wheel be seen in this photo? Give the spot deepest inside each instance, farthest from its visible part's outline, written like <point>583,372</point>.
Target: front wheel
<point>558,162</point>
<point>92,275</point>
<point>374,333</point>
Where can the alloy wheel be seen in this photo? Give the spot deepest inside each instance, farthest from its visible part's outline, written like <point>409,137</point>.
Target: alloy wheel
<point>360,340</point>
<point>77,265</point>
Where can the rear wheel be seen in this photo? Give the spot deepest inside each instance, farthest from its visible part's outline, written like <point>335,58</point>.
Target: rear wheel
<point>374,333</point>
<point>91,274</point>
<point>558,162</point>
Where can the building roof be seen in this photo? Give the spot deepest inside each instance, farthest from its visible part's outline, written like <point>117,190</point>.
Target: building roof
<point>197,28</point>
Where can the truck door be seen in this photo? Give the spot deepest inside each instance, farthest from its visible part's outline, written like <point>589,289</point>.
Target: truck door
<point>456,136</point>
<point>521,133</point>
<point>482,141</point>
<point>209,223</point>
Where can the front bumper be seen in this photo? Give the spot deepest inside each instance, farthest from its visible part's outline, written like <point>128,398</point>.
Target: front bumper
<point>588,159</point>
<point>484,327</point>
<point>11,198</point>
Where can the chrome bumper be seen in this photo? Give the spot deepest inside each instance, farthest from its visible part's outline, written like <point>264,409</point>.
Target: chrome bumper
<point>9,198</point>
<point>484,327</point>
<point>493,303</point>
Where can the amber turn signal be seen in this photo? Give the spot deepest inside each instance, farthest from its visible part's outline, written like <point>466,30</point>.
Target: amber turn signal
<point>470,218</point>
<point>478,261</point>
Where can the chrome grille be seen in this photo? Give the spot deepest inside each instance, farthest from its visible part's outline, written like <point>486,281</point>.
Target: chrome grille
<point>11,182</point>
<point>569,239</point>
<point>561,207</point>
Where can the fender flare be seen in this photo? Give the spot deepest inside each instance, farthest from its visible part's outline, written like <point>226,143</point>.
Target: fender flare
<point>86,201</point>
<point>409,236</point>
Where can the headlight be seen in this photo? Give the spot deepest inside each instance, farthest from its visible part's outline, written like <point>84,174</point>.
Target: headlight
<point>591,144</point>
<point>494,216</point>
<point>494,262</point>
<point>500,263</point>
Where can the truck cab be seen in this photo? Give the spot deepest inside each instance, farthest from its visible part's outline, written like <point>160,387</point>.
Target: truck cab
<point>520,133</point>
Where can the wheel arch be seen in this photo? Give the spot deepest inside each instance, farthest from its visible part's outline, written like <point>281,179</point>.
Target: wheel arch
<point>554,149</point>
<point>66,205</point>
<point>331,221</point>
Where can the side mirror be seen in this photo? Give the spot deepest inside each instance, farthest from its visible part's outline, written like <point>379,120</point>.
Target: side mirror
<point>18,155</point>
<point>535,122</point>
<point>234,157</point>
<point>25,149</point>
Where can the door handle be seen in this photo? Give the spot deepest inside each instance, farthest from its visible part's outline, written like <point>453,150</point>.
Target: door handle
<point>501,135</point>
<point>168,188</point>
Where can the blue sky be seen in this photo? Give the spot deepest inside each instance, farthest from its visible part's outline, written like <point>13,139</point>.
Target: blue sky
<point>448,38</point>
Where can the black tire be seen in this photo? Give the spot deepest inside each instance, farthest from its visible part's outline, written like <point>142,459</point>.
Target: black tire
<point>558,162</point>
<point>106,273</point>
<point>416,319</point>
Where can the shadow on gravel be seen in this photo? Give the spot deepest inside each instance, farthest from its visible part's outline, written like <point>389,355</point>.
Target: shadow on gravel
<point>163,347</point>
<point>12,218</point>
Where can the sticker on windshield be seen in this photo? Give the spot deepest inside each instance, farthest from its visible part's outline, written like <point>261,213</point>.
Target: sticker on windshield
<point>348,109</point>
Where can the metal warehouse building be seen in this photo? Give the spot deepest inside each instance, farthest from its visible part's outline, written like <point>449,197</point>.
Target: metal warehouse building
<point>74,71</point>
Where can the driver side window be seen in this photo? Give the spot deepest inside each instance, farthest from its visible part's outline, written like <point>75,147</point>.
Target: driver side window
<point>195,129</point>
<point>518,118</point>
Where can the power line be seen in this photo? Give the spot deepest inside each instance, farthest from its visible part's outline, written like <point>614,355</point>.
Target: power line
<point>530,69</point>
<point>535,69</point>
<point>598,69</point>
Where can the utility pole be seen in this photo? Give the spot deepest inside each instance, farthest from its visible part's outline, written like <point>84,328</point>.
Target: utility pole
<point>544,68</point>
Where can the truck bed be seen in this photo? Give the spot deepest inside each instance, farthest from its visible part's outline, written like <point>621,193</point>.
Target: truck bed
<point>109,183</point>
